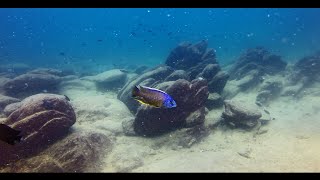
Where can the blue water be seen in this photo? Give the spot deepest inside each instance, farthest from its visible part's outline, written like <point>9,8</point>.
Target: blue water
<point>63,37</point>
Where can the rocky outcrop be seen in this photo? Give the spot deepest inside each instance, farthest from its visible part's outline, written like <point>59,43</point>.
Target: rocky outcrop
<point>198,61</point>
<point>258,59</point>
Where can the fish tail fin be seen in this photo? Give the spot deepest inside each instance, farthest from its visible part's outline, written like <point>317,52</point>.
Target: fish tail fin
<point>135,91</point>
<point>9,135</point>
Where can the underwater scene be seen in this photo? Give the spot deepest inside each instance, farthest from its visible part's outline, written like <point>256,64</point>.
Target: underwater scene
<point>159,90</point>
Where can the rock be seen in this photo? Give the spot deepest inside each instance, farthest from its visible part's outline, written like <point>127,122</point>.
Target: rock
<point>54,72</point>
<point>218,82</point>
<point>157,74</point>
<point>141,69</point>
<point>11,107</point>
<point>6,100</point>
<point>81,151</point>
<point>189,96</point>
<point>308,67</point>
<point>29,84</point>
<point>240,115</point>
<point>214,101</point>
<point>258,59</point>
<point>195,118</point>
<point>178,74</point>
<point>249,81</point>
<point>269,91</point>
<point>77,84</point>
<point>42,119</point>
<point>191,58</point>
<point>108,80</point>
<point>209,71</point>
<point>231,89</point>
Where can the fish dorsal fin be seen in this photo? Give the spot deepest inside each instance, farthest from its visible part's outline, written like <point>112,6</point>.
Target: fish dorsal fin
<point>153,89</point>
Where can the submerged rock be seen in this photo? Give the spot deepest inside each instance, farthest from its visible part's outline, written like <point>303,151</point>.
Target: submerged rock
<point>178,74</point>
<point>81,151</point>
<point>240,115</point>
<point>108,80</point>
<point>190,98</point>
<point>141,69</point>
<point>269,91</point>
<point>29,84</point>
<point>214,101</point>
<point>6,100</point>
<point>42,119</point>
<point>308,68</point>
<point>198,61</point>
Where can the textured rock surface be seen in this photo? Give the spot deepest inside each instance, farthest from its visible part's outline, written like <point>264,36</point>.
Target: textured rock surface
<point>81,151</point>
<point>42,119</point>
<point>238,114</point>
<point>257,59</point>
<point>6,100</point>
<point>29,84</point>
<point>108,80</point>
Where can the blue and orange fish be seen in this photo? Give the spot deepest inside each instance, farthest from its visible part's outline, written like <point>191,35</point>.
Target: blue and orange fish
<point>153,97</point>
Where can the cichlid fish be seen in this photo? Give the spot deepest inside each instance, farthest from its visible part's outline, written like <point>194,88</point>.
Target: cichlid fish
<point>153,97</point>
<point>9,135</point>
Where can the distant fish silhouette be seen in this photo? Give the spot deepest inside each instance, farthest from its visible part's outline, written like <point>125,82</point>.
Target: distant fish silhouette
<point>9,135</point>
<point>99,40</point>
<point>67,98</point>
<point>62,54</point>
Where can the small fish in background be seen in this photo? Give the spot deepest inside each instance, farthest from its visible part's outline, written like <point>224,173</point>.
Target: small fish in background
<point>153,97</point>
<point>9,135</point>
<point>62,54</point>
<point>67,98</point>
<point>99,40</point>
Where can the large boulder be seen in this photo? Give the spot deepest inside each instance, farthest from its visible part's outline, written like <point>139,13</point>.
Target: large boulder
<point>42,119</point>
<point>108,80</point>
<point>29,84</point>
<point>238,114</point>
<point>190,98</point>
<point>80,151</point>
